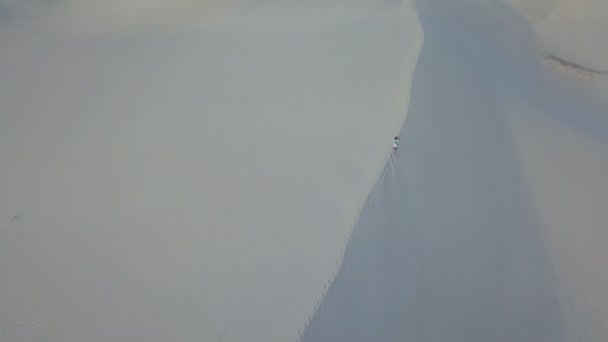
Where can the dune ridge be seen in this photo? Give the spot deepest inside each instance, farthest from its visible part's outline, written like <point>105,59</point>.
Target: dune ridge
<point>489,223</point>
<point>571,68</point>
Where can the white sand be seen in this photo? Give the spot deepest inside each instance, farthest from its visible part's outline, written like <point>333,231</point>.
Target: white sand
<point>574,30</point>
<point>566,168</point>
<point>564,157</point>
<point>165,178</point>
<point>191,171</point>
<point>490,224</point>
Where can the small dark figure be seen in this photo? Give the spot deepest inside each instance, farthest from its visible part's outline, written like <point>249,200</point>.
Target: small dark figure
<point>395,144</point>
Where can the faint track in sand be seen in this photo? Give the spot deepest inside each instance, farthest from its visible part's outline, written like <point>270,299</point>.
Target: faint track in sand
<point>28,324</point>
<point>370,198</point>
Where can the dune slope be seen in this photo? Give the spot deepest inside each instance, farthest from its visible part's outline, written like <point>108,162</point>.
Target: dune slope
<point>177,171</point>
<point>487,226</point>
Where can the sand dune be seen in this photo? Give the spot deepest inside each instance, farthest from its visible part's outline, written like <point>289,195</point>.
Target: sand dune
<point>204,170</point>
<point>571,68</point>
<point>170,179</point>
<point>573,30</point>
<point>489,223</point>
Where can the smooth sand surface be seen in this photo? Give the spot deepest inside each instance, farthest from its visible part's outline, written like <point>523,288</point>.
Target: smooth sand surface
<point>490,223</point>
<point>193,170</point>
<point>574,30</point>
<point>165,178</point>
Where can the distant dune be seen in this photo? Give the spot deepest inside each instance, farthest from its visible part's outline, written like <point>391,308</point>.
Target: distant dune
<point>572,30</point>
<point>571,68</point>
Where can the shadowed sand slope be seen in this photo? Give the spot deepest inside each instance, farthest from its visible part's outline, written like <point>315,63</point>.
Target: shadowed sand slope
<point>449,246</point>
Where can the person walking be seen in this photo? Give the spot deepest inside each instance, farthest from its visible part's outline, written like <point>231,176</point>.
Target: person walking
<point>395,144</point>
